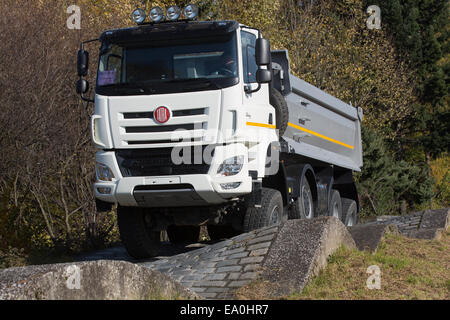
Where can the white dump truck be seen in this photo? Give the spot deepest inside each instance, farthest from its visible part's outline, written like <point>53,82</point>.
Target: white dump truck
<point>200,123</point>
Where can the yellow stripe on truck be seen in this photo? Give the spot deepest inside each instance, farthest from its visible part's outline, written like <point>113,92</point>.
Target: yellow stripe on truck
<point>320,135</point>
<point>264,125</point>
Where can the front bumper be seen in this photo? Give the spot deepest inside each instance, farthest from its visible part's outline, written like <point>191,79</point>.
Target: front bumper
<point>174,190</point>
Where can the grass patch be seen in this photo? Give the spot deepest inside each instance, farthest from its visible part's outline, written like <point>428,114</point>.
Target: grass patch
<point>410,269</point>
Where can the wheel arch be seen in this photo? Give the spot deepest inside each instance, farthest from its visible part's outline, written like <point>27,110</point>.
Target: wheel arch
<point>278,181</point>
<point>295,174</point>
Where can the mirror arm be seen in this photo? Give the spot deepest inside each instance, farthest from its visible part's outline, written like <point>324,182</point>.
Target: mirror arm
<point>87,41</point>
<point>86,99</point>
<point>249,91</point>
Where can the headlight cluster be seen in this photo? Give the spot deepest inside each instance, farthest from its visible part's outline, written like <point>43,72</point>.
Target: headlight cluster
<point>231,166</point>
<point>104,173</point>
<point>173,13</point>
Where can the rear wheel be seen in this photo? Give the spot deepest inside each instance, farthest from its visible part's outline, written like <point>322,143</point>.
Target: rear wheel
<point>303,207</point>
<point>135,232</point>
<point>335,209</point>
<point>183,234</point>
<point>270,213</point>
<point>349,212</point>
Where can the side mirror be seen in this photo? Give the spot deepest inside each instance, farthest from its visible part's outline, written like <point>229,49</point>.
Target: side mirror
<point>262,53</point>
<point>263,76</point>
<point>82,62</point>
<point>82,86</point>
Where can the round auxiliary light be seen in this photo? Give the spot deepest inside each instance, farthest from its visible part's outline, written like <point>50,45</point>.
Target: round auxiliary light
<point>138,16</point>
<point>173,13</point>
<point>190,11</point>
<point>156,14</point>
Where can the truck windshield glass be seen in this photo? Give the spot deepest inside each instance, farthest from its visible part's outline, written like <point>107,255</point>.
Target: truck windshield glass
<point>169,66</point>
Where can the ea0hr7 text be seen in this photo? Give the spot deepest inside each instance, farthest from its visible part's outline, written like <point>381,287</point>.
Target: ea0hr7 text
<point>246,309</point>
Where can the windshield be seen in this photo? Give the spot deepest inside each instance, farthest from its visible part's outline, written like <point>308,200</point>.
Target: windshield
<point>168,66</point>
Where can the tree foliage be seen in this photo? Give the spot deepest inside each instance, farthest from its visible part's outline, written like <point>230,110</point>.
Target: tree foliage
<point>420,30</point>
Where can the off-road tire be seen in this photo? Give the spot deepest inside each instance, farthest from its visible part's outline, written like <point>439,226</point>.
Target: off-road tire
<point>277,100</point>
<point>303,206</point>
<point>183,234</point>
<point>335,208</point>
<point>349,212</point>
<point>137,237</point>
<point>270,213</point>
<point>218,232</point>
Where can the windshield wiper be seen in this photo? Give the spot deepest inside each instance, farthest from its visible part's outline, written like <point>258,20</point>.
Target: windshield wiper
<point>187,80</point>
<point>194,82</point>
<point>130,86</point>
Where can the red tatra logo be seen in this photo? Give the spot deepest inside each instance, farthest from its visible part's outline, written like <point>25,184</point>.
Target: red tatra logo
<point>161,114</point>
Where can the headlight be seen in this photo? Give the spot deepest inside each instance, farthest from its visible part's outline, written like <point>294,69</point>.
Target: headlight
<point>103,172</point>
<point>231,166</point>
<point>173,13</point>
<point>190,11</point>
<point>156,14</point>
<point>138,16</point>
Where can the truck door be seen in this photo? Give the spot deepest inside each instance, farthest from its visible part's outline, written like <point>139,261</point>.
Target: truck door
<point>258,112</point>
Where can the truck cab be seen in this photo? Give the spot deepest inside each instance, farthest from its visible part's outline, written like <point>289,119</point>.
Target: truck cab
<point>189,122</point>
<point>176,111</point>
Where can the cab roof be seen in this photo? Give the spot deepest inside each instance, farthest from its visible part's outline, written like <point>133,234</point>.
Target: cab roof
<point>169,30</point>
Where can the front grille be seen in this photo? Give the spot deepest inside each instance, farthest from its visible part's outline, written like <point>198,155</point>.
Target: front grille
<point>187,126</point>
<point>139,128</point>
<point>158,162</point>
<point>176,113</point>
<point>163,141</point>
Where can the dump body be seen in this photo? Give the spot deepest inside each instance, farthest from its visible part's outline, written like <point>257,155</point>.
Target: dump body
<point>323,127</point>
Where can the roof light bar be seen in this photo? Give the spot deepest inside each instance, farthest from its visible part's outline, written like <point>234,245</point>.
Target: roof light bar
<point>173,13</point>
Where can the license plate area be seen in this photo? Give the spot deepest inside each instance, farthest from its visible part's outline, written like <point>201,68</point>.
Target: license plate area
<point>162,180</point>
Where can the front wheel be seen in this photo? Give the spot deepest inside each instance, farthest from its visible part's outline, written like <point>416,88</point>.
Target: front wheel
<point>136,234</point>
<point>270,213</point>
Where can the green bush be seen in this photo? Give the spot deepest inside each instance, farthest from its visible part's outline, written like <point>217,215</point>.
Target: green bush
<point>384,183</point>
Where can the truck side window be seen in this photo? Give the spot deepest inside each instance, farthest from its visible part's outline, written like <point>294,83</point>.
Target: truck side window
<point>110,67</point>
<point>248,56</point>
